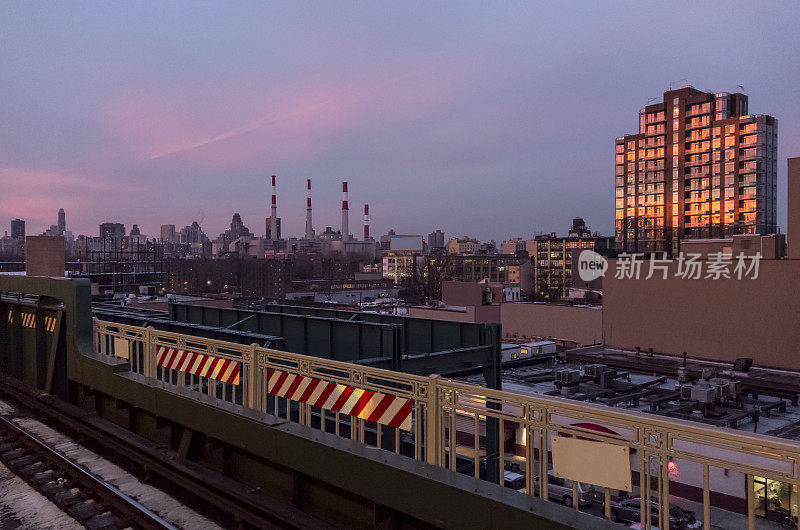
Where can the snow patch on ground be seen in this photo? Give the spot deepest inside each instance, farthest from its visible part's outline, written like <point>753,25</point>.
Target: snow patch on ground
<point>166,507</point>
<point>25,508</point>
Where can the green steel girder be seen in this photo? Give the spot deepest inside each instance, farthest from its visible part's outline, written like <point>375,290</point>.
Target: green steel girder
<point>160,320</point>
<point>404,344</point>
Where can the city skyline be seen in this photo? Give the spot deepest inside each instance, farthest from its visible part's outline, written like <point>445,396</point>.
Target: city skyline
<point>173,118</point>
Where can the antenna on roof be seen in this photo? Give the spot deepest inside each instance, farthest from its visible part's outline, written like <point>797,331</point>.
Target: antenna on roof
<point>740,86</point>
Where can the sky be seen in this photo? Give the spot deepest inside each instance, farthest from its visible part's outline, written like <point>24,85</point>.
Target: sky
<point>488,119</point>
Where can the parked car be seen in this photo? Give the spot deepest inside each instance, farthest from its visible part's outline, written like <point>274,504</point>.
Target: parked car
<point>627,511</point>
<point>561,489</point>
<point>513,480</point>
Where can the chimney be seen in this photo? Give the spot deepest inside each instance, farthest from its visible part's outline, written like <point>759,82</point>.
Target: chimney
<point>366,222</point>
<point>273,219</point>
<point>345,225</point>
<point>309,227</point>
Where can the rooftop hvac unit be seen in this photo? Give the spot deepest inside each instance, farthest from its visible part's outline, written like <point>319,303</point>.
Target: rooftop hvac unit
<point>567,375</point>
<point>721,386</point>
<point>593,370</point>
<point>704,393</point>
<point>686,391</point>
<point>569,390</point>
<point>734,388</point>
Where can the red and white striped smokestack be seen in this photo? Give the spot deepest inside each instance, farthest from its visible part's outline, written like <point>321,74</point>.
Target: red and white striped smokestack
<point>273,218</point>
<point>345,223</point>
<point>366,222</point>
<point>309,227</point>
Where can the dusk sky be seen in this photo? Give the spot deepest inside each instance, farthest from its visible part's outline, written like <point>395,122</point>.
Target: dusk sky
<point>486,119</point>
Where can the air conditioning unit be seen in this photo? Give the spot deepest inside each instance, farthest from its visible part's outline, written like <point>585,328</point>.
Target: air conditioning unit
<point>721,385</point>
<point>734,388</point>
<point>593,370</point>
<point>567,375</point>
<point>686,391</point>
<point>704,393</point>
<point>567,391</point>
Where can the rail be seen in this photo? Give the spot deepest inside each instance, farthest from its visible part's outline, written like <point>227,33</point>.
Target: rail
<point>449,423</point>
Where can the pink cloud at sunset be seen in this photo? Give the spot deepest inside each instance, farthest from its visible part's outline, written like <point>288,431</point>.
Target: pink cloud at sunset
<point>297,126</point>
<point>36,195</point>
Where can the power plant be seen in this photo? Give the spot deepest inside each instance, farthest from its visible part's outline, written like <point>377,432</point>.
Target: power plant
<point>328,242</point>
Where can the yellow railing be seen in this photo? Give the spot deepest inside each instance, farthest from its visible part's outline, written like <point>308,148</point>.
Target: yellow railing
<point>449,418</point>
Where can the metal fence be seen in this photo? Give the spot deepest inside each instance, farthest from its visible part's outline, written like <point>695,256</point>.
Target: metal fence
<point>451,424</point>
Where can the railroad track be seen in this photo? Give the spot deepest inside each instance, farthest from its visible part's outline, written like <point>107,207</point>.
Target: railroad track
<point>243,504</point>
<point>84,496</point>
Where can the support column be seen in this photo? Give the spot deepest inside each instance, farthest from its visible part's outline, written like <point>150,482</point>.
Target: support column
<point>433,417</point>
<point>493,376</point>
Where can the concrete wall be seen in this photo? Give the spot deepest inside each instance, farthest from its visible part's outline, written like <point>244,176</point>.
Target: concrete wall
<point>461,293</point>
<point>44,256</point>
<point>716,319</point>
<point>164,305</point>
<point>793,208</point>
<point>486,314</point>
<point>581,324</point>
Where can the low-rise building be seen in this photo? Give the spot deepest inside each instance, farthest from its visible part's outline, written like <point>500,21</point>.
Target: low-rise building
<point>464,245</point>
<point>512,246</point>
<point>399,265</point>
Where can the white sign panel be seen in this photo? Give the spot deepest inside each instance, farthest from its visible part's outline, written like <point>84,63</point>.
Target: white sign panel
<point>590,462</point>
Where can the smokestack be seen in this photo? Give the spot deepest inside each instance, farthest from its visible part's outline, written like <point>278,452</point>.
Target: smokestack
<point>273,219</point>
<point>309,228</point>
<point>345,225</point>
<point>366,222</point>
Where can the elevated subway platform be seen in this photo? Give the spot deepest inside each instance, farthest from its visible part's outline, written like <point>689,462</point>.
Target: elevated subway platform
<point>94,384</point>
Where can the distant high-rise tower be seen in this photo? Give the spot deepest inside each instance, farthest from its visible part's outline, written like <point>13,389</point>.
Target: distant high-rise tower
<point>62,221</point>
<point>18,229</point>
<point>168,234</point>
<point>112,230</point>
<point>700,167</point>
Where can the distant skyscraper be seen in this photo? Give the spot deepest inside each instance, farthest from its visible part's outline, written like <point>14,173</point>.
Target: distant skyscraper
<point>18,229</point>
<point>62,221</point>
<point>135,230</point>
<point>700,167</point>
<point>167,233</point>
<point>112,230</point>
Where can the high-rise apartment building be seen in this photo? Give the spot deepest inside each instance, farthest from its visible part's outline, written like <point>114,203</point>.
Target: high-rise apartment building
<point>18,229</point>
<point>700,167</point>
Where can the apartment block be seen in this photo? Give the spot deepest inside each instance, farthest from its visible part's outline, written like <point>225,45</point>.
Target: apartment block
<point>552,261</point>
<point>700,166</point>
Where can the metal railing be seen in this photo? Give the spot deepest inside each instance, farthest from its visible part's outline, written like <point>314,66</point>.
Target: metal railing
<point>451,424</point>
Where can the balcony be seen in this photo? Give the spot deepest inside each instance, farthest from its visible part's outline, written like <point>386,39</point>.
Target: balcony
<point>700,110</point>
<point>656,117</point>
<point>698,162</point>
<point>698,124</point>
